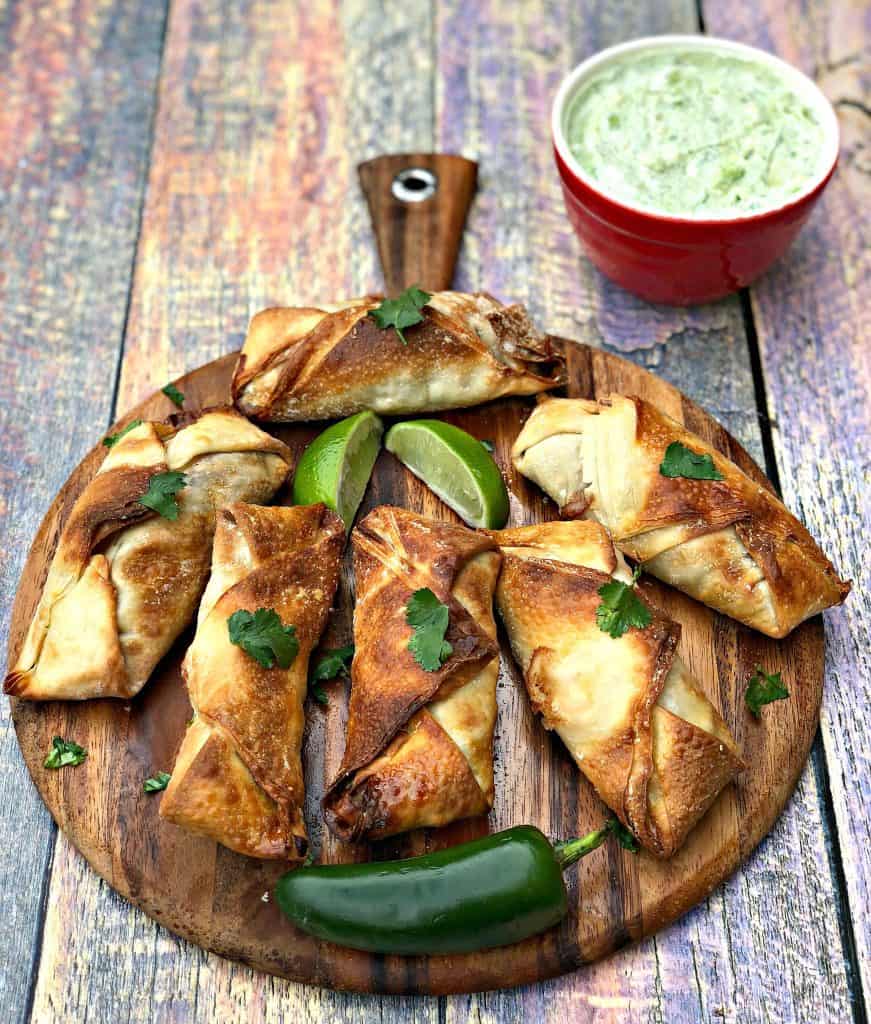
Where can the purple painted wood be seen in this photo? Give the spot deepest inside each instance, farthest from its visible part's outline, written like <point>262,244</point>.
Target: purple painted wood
<point>252,200</point>
<point>264,111</point>
<point>813,315</point>
<point>77,96</point>
<point>715,964</point>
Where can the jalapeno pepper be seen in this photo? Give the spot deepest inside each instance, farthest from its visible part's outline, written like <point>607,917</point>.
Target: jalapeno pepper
<point>488,892</point>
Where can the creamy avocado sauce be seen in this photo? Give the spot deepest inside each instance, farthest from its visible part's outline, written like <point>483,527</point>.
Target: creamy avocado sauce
<point>694,132</point>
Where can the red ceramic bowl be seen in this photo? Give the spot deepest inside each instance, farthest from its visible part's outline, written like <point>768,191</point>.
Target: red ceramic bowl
<point>684,260</point>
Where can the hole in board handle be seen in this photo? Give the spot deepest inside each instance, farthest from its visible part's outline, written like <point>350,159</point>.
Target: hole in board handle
<point>414,184</point>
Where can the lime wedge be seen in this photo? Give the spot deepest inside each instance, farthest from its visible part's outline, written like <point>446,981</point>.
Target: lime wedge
<point>336,466</point>
<point>456,466</point>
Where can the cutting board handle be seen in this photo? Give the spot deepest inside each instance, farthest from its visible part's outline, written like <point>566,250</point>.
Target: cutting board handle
<point>418,203</point>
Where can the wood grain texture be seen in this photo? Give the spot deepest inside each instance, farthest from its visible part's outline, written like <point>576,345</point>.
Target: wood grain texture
<point>418,241</point>
<point>251,201</point>
<point>78,86</point>
<point>213,897</point>
<point>713,965</point>
<point>813,315</point>
<point>488,98</point>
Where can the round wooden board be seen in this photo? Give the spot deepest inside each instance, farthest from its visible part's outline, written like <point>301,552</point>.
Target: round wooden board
<point>218,899</point>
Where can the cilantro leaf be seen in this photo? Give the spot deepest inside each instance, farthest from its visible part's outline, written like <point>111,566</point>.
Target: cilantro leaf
<point>173,394</point>
<point>488,446</point>
<point>401,312</point>
<point>622,834</point>
<point>112,439</point>
<point>309,859</point>
<point>681,461</point>
<point>621,608</point>
<point>428,617</point>
<point>64,752</point>
<point>160,496</point>
<point>156,783</point>
<point>264,637</point>
<point>763,689</point>
<point>333,663</point>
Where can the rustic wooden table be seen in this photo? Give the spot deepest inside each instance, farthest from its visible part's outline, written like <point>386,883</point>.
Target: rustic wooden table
<point>167,168</point>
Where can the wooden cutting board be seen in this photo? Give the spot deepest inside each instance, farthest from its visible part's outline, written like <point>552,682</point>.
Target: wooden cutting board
<point>219,899</point>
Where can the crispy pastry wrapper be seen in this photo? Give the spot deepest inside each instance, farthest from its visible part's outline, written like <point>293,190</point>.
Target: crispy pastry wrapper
<point>419,748</point>
<point>309,364</point>
<point>729,543</point>
<point>633,718</point>
<point>238,774</point>
<point>124,582</point>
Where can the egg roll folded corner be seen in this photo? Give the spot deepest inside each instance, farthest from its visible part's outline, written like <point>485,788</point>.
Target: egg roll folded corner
<point>238,776</point>
<point>629,711</point>
<point>125,581</point>
<point>729,543</point>
<point>332,361</point>
<point>419,746</point>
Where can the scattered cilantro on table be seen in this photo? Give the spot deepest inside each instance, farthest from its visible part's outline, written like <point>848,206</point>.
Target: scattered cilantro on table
<point>64,753</point>
<point>762,689</point>
<point>156,783</point>
<point>333,663</point>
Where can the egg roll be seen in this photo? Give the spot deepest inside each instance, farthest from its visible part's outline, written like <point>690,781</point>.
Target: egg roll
<point>238,774</point>
<point>334,360</point>
<point>419,747</point>
<point>125,581</point>
<point>628,709</point>
<point>729,542</point>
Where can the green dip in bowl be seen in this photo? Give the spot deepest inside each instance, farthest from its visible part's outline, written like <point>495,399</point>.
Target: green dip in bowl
<point>696,132</point>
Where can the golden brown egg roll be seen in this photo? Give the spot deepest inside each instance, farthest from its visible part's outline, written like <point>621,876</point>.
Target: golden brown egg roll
<point>238,774</point>
<point>124,581</point>
<point>331,361</point>
<point>729,543</point>
<point>419,748</point>
<point>627,708</point>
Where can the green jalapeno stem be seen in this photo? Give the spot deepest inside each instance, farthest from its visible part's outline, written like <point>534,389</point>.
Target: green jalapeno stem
<point>571,850</point>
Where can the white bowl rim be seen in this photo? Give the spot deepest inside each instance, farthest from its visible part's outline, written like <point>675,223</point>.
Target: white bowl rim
<point>795,79</point>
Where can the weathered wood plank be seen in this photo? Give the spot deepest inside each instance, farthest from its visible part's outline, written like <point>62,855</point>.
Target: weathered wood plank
<point>713,965</point>
<point>571,300</point>
<point>264,111</point>
<point>77,81</point>
<point>813,315</point>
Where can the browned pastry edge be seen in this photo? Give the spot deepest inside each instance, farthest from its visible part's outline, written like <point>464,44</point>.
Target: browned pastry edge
<point>687,765</point>
<point>704,766</point>
<point>356,335</point>
<point>216,763</point>
<point>241,787</point>
<point>375,807</point>
<point>621,772</point>
<point>779,543</point>
<point>375,718</point>
<point>110,501</point>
